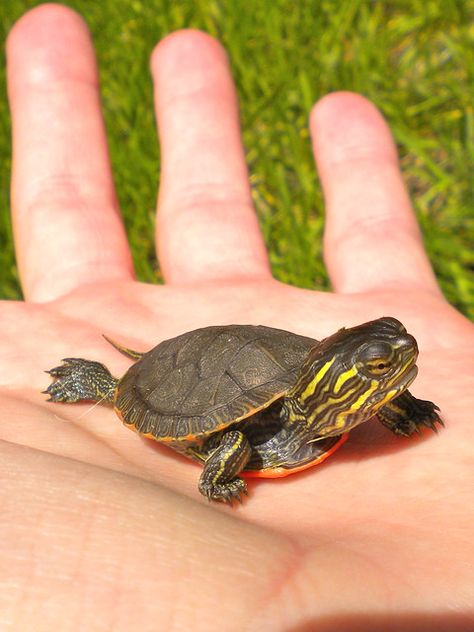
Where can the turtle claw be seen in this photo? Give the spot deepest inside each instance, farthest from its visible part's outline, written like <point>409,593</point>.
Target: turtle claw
<point>407,415</point>
<point>226,493</point>
<point>55,372</point>
<point>428,416</point>
<point>46,392</point>
<point>78,380</point>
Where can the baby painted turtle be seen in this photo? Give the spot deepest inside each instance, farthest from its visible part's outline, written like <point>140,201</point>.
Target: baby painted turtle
<point>257,401</point>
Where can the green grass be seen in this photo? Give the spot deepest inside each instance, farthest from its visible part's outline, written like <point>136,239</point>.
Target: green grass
<point>413,58</point>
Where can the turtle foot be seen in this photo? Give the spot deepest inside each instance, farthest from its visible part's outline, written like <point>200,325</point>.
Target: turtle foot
<point>224,492</point>
<point>424,415</point>
<point>407,415</point>
<point>78,380</point>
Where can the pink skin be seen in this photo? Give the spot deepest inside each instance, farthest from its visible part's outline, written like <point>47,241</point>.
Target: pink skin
<point>99,525</point>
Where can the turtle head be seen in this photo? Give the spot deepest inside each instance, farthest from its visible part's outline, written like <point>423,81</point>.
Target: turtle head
<point>350,375</point>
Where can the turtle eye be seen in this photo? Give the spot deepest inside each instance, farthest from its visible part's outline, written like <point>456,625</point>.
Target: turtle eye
<point>377,358</point>
<point>379,367</point>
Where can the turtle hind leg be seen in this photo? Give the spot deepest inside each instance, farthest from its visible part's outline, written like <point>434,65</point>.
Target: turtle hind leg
<point>77,380</point>
<point>406,415</point>
<point>219,480</point>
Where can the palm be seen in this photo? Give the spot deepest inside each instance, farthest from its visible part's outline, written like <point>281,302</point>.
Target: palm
<point>376,510</point>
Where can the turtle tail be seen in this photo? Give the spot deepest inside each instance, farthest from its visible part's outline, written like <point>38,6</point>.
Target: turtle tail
<point>130,353</point>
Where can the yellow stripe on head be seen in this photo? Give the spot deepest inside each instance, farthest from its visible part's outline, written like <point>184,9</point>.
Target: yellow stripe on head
<point>342,379</point>
<point>309,390</point>
<point>360,401</point>
<point>401,371</point>
<point>341,421</point>
<point>388,396</point>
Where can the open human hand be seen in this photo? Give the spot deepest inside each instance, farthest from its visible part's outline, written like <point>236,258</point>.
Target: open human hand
<point>103,530</point>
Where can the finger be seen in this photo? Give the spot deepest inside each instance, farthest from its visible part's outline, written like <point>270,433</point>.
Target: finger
<point>207,228</point>
<point>372,239</point>
<point>66,222</point>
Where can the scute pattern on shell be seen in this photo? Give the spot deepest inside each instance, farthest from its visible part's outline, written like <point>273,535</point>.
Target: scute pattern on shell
<point>204,380</point>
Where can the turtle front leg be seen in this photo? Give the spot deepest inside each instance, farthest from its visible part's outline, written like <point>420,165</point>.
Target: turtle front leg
<point>79,380</point>
<point>405,415</point>
<point>219,480</point>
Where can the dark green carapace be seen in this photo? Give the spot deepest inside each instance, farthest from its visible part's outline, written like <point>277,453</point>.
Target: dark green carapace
<point>253,400</point>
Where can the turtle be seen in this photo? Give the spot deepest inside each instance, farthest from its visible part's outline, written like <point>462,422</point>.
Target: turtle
<point>252,400</point>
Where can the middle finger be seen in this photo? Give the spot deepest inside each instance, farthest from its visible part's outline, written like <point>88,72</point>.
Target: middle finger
<point>207,228</point>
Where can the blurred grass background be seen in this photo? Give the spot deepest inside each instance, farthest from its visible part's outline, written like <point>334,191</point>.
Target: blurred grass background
<point>413,58</point>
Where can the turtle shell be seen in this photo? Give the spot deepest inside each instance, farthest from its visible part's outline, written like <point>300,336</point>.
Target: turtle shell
<point>200,382</point>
